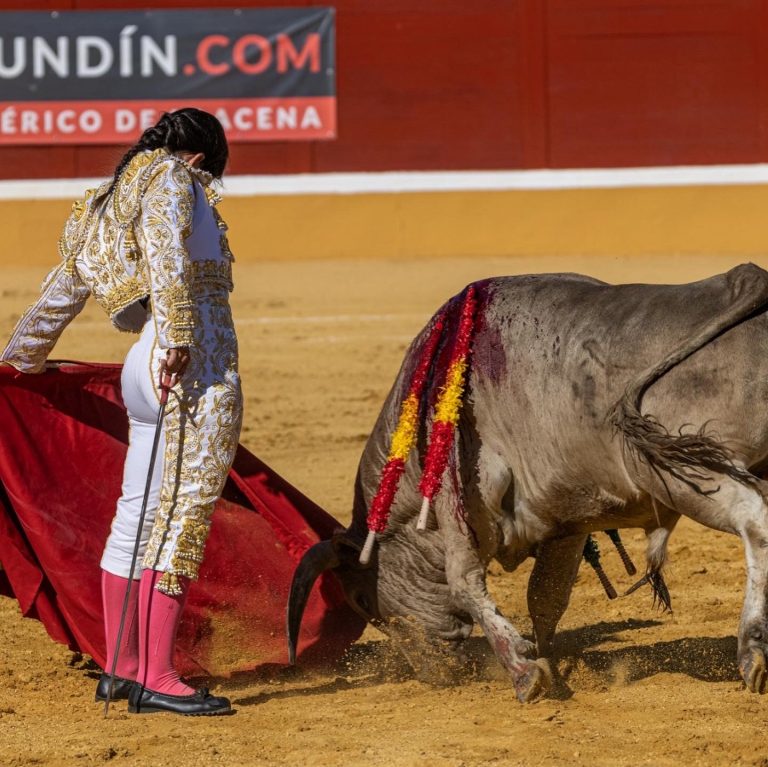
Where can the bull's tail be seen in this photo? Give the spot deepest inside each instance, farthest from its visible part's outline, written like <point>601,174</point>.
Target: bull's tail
<point>690,457</point>
<point>444,422</point>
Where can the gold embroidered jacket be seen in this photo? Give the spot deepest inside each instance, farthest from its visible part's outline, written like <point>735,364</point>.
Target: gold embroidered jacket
<point>123,247</point>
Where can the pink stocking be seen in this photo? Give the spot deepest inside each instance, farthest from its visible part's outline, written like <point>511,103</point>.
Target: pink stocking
<point>112,598</point>
<point>159,616</point>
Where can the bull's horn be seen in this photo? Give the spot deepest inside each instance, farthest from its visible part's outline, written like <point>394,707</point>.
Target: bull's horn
<point>322,556</point>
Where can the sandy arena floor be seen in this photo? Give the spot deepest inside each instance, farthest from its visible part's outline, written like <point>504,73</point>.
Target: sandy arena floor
<point>320,345</point>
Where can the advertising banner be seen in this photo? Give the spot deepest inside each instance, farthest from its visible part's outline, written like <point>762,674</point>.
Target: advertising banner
<point>101,77</point>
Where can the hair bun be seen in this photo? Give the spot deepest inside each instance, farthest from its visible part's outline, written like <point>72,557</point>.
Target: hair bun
<point>161,134</point>
<point>187,129</point>
<point>152,138</point>
<point>167,127</point>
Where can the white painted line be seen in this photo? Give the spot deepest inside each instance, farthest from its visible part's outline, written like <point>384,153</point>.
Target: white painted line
<point>347,337</point>
<point>456,181</point>
<point>320,318</point>
<point>317,319</point>
<point>430,181</point>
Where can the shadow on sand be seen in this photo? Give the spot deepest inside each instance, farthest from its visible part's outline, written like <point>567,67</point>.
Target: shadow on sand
<point>709,659</point>
<point>373,663</point>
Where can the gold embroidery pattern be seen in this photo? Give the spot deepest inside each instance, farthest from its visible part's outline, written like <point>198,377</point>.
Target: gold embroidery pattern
<point>104,253</point>
<point>211,273</point>
<point>166,222</point>
<point>62,297</point>
<point>123,295</point>
<point>223,228</point>
<point>202,432</point>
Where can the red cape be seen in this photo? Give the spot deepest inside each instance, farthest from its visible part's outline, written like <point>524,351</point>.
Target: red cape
<point>63,437</point>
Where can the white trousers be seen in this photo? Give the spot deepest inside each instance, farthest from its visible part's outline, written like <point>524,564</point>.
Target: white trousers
<point>141,398</point>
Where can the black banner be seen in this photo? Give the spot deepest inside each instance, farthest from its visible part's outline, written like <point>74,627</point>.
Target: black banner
<point>96,77</point>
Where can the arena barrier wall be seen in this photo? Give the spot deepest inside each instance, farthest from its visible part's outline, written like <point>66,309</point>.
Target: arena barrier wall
<point>498,86</point>
<point>688,211</point>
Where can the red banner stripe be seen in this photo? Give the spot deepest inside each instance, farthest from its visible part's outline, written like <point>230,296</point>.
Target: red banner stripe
<point>121,122</point>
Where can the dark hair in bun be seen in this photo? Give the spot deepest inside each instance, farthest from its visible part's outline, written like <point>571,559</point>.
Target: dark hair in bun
<point>188,130</point>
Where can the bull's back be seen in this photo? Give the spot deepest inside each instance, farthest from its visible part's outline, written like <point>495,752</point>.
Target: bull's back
<point>554,353</point>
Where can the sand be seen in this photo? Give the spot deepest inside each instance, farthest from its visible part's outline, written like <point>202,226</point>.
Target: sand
<point>320,345</point>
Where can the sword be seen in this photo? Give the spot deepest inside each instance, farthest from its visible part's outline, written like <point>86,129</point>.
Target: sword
<point>166,382</point>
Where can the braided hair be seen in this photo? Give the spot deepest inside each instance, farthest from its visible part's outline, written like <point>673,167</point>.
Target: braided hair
<point>188,130</point>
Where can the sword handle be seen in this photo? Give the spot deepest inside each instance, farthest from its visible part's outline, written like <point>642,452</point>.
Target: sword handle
<point>167,382</point>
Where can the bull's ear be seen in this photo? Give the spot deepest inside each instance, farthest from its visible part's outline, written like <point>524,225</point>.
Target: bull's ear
<point>348,550</point>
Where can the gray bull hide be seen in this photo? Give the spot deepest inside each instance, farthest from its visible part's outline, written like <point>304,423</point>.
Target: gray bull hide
<point>588,406</point>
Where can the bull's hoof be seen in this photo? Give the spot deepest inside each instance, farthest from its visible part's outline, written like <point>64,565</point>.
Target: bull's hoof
<point>754,670</point>
<point>533,681</point>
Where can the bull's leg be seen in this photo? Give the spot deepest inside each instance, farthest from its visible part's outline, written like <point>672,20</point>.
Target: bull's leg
<point>465,573</point>
<point>753,628</point>
<point>550,585</point>
<point>736,508</point>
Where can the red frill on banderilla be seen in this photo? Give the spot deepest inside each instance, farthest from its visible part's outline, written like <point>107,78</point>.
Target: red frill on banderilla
<point>444,420</point>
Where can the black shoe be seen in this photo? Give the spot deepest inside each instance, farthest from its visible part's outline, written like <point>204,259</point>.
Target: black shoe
<point>121,688</point>
<point>200,703</point>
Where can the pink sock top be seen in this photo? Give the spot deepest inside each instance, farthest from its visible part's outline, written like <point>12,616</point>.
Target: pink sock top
<point>159,616</point>
<point>112,597</point>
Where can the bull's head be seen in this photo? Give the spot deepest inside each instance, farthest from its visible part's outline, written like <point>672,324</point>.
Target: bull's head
<point>341,554</point>
<point>402,590</point>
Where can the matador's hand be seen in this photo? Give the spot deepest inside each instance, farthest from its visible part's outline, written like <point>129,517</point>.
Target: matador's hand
<point>176,361</point>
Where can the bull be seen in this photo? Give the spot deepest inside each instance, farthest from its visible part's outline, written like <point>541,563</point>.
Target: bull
<point>584,406</point>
